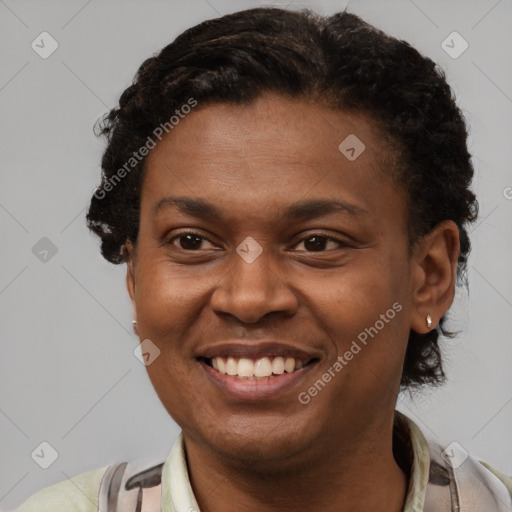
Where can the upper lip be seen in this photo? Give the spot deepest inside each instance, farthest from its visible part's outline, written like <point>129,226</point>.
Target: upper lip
<point>254,350</point>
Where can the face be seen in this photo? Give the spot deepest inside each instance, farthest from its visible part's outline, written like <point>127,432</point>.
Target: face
<point>263,245</point>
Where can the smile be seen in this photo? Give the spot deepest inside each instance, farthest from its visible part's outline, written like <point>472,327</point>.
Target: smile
<point>251,371</point>
<point>264,368</point>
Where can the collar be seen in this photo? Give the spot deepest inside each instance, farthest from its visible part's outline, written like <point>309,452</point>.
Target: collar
<point>177,494</point>
<point>414,443</point>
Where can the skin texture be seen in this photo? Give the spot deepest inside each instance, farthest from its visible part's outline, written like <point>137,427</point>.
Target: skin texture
<point>251,162</point>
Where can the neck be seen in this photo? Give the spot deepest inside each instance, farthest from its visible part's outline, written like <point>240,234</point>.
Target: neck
<point>332,475</point>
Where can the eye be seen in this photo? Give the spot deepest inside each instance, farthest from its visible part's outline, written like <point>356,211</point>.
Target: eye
<point>319,243</point>
<point>188,241</point>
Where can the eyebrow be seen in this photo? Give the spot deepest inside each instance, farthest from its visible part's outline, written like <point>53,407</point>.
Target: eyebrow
<point>300,210</point>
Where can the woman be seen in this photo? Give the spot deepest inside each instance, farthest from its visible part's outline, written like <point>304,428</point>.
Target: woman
<point>290,194</point>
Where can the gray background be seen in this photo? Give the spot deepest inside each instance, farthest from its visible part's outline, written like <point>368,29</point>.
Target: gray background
<point>68,373</point>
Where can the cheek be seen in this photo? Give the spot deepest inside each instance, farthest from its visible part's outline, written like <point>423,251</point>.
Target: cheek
<point>168,306</point>
<point>168,301</point>
<point>354,298</point>
<point>364,313</point>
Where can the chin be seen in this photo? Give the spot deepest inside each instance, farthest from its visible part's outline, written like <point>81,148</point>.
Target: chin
<point>254,442</point>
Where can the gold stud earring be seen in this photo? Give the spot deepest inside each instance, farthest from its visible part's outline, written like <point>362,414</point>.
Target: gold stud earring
<point>429,320</point>
<point>134,324</point>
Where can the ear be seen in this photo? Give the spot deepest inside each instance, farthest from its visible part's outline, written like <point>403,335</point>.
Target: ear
<point>435,261</point>
<point>130,272</point>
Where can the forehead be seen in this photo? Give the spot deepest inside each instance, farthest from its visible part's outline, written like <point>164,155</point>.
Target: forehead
<point>269,152</point>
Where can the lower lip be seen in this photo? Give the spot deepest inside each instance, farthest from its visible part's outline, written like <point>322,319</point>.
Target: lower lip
<point>256,389</point>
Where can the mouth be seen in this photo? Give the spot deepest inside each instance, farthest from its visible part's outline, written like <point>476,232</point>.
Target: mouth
<point>263,368</point>
<point>256,372</point>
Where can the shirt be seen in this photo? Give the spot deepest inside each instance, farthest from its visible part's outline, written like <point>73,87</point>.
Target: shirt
<point>80,494</point>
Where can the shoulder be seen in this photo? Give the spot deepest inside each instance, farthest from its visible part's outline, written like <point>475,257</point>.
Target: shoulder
<point>442,475</point>
<point>76,494</point>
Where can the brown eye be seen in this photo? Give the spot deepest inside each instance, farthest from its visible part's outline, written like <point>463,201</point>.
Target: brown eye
<point>320,243</point>
<point>315,243</point>
<point>188,241</point>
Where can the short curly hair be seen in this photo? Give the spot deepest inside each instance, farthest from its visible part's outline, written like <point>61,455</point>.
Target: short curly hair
<point>339,61</point>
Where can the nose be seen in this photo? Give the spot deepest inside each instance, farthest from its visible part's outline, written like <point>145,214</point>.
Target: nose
<point>250,291</point>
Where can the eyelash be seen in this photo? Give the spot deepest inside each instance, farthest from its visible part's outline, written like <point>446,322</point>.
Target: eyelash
<point>313,235</point>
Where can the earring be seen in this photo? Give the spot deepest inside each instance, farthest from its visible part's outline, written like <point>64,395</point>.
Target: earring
<point>134,324</point>
<point>429,320</point>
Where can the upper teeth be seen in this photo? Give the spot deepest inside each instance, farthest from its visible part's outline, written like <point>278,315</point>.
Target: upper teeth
<point>263,367</point>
